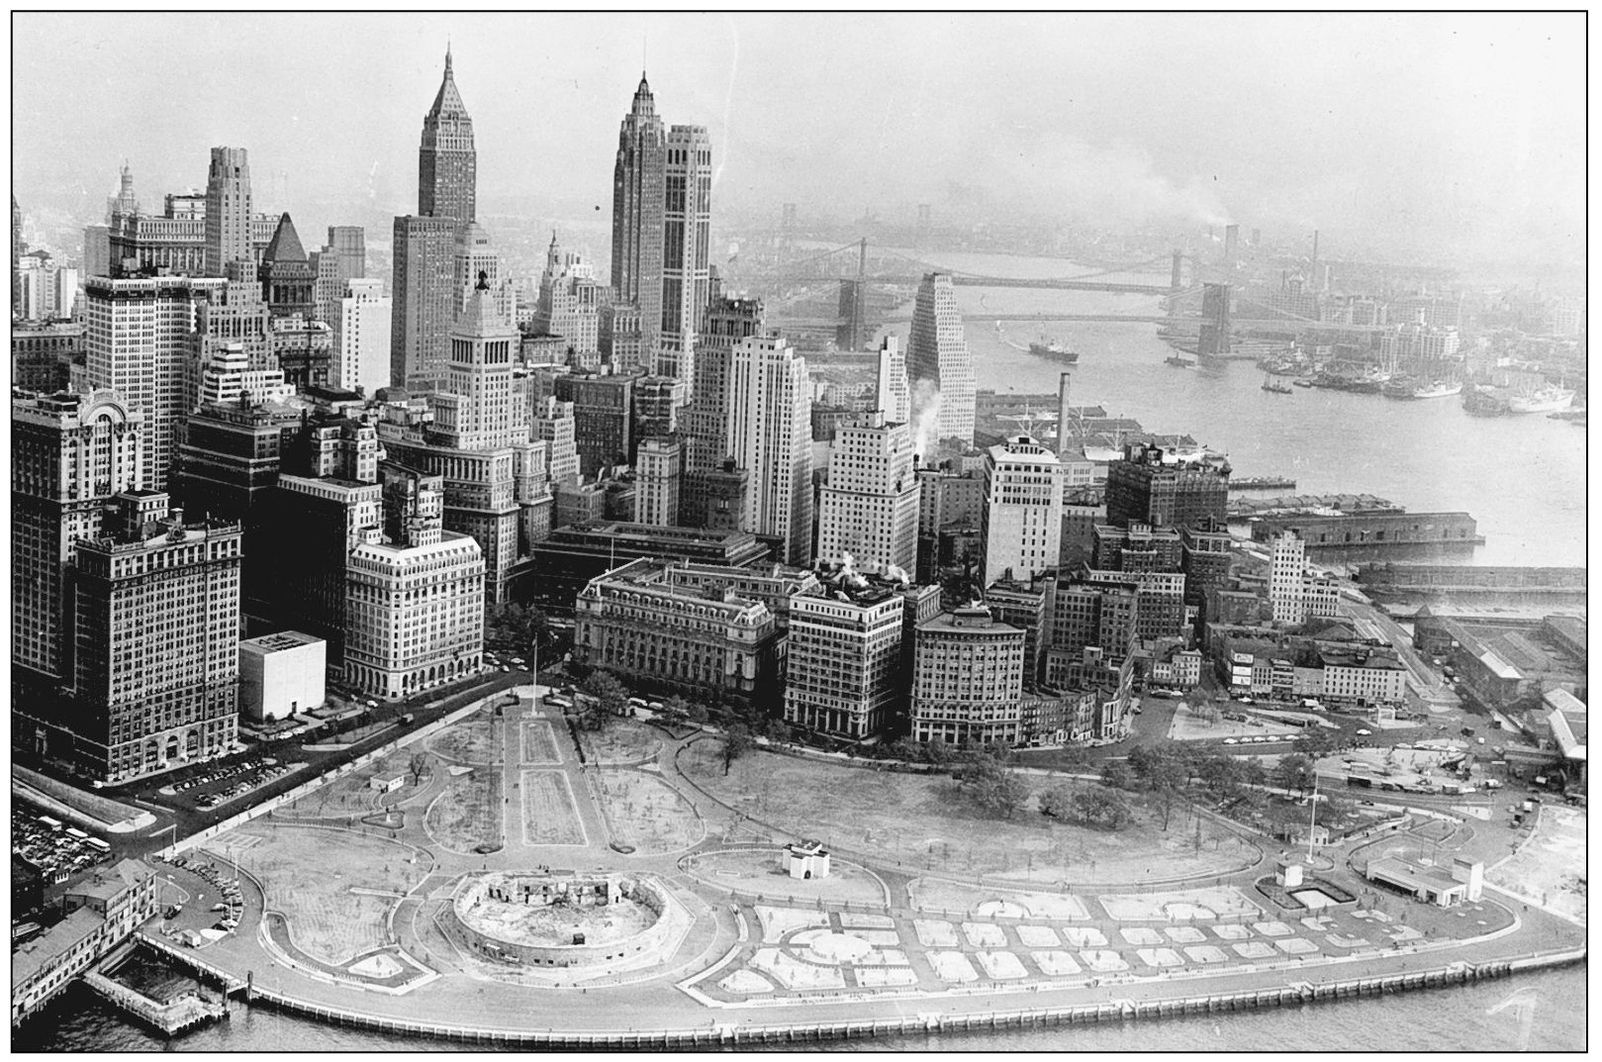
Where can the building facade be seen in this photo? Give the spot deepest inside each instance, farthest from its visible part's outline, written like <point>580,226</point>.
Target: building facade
<point>770,436</point>
<point>228,210</point>
<point>843,660</point>
<point>868,508</point>
<point>1020,525</point>
<point>967,679</point>
<point>940,369</point>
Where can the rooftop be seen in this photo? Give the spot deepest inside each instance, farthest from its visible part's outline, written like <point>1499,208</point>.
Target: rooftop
<point>273,643</point>
<point>1409,874</point>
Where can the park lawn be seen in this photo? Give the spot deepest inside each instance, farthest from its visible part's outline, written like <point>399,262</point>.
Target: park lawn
<point>308,874</point>
<point>539,743</point>
<point>623,741</point>
<point>473,740</point>
<point>549,815</point>
<point>647,813</point>
<point>351,794</point>
<point>468,812</point>
<point>923,822</point>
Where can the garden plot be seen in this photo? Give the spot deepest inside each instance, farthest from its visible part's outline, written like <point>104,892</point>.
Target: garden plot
<point>1185,934</point>
<point>938,894</point>
<point>1205,953</point>
<point>647,813</point>
<point>952,967</point>
<point>1101,961</point>
<point>867,921</point>
<point>1273,929</point>
<point>1055,963</point>
<point>794,974</point>
<point>745,983</point>
<point>1140,935</point>
<point>1253,949</point>
<point>886,977</point>
<point>777,921</point>
<point>549,814</point>
<point>981,935</point>
<point>1296,946</point>
<point>1231,931</point>
<point>884,957</point>
<point>831,948</point>
<point>1160,957</point>
<point>1083,936</point>
<point>1341,940</point>
<point>539,744</point>
<point>935,934</point>
<point>472,740</point>
<point>1319,925</point>
<point>1184,905</point>
<point>1037,936</point>
<point>1001,965</point>
<point>468,813</point>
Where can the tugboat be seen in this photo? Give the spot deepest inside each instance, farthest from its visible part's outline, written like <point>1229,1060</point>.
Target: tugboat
<point>1484,402</point>
<point>1399,387</point>
<point>1274,386</point>
<point>1178,362</point>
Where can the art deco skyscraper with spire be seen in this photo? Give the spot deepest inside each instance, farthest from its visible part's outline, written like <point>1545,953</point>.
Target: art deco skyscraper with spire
<point>425,291</point>
<point>447,163</point>
<point>639,181</point>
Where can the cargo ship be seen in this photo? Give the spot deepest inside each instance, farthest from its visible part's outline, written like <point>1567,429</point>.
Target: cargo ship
<point>1178,362</point>
<point>1439,389</point>
<point>1484,402</point>
<point>1274,386</point>
<point>1550,399</point>
<point>1050,348</point>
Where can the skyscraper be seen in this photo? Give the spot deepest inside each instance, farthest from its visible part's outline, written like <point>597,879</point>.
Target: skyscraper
<point>447,164</point>
<point>287,278</point>
<point>894,398</point>
<point>659,466</point>
<point>568,305</point>
<point>228,210</point>
<point>869,506</point>
<point>342,259</point>
<point>361,337</point>
<point>940,369</point>
<point>770,436</point>
<point>639,179</point>
<point>1020,527</point>
<point>70,453</point>
<point>1152,487</point>
<point>686,248</point>
<point>1285,578</point>
<point>726,322</point>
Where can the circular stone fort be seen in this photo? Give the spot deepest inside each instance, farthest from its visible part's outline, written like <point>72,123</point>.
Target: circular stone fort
<point>541,920</point>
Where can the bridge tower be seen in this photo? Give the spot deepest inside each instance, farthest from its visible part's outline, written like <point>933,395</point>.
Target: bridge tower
<point>1176,275</point>
<point>1215,340</point>
<point>853,304</point>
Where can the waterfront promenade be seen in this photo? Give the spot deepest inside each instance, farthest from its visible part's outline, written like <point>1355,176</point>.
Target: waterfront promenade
<point>872,946</point>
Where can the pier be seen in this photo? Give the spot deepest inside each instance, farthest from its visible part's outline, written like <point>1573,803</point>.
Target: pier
<point>186,1011</point>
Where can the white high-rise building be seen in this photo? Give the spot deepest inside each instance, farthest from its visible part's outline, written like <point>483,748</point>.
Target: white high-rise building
<point>869,507</point>
<point>362,330</point>
<point>895,400</point>
<point>1020,524</point>
<point>939,368</point>
<point>658,471</point>
<point>227,378</point>
<point>476,259</point>
<point>569,304</point>
<point>554,426</point>
<point>1285,592</point>
<point>138,334</point>
<point>770,436</point>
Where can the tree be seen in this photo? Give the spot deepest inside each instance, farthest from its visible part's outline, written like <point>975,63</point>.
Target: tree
<point>1294,772</point>
<point>990,785</point>
<point>1057,802</point>
<point>939,752</point>
<point>675,710</point>
<point>737,742</point>
<point>1167,780</point>
<point>418,766</point>
<point>1315,741</point>
<point>608,699</point>
<point>698,714</point>
<point>904,748</point>
<point>1115,774</point>
<point>1108,809</point>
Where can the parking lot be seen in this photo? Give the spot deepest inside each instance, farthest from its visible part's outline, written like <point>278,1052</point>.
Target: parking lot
<point>58,850</point>
<point>225,784</point>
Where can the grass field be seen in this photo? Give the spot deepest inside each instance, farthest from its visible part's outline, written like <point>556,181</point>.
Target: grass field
<point>468,812</point>
<point>470,741</point>
<point>308,874</point>
<point>625,741</point>
<point>539,743</point>
<point>549,816</point>
<point>921,821</point>
<point>647,813</point>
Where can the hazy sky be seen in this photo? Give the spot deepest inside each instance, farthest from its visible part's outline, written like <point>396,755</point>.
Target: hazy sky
<point>1435,134</point>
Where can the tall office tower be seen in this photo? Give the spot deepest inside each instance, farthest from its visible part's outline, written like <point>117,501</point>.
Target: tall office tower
<point>770,436</point>
<point>1020,526</point>
<point>967,679</point>
<point>125,201</point>
<point>1205,560</point>
<point>603,417</point>
<point>658,402</point>
<point>1285,593</point>
<point>940,370</point>
<point>342,259</point>
<point>554,426</point>
<point>843,659</point>
<point>868,509</point>
<point>1151,487</point>
<point>894,397</point>
<point>18,249</point>
<point>639,179</point>
<point>474,258</point>
<point>726,322</point>
<point>568,305</point>
<point>70,453</point>
<point>424,300</point>
<point>414,595</point>
<point>42,355</point>
<point>477,410</point>
<point>447,164</point>
<point>287,279</point>
<point>96,250</point>
<point>361,337</point>
<point>619,334</point>
<point>658,470</point>
<point>156,645</point>
<point>231,313</point>
<point>228,210</point>
<point>137,337</point>
<point>686,249</point>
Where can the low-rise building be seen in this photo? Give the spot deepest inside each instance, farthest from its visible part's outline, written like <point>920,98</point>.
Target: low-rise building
<point>281,674</point>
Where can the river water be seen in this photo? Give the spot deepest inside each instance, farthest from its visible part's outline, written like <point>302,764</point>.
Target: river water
<point>1523,478</point>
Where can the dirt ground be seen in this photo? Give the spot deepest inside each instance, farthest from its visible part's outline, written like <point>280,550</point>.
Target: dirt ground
<point>468,812</point>
<point>923,823</point>
<point>470,741</point>
<point>625,741</point>
<point>647,813</point>
<point>1187,726</point>
<point>308,874</point>
<point>549,816</point>
<point>1550,864</point>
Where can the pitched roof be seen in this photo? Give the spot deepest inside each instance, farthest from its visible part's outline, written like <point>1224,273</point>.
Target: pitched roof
<point>448,100</point>
<point>285,245</point>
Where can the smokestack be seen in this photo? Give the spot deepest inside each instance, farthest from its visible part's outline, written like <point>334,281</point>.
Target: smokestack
<point>1315,249</point>
<point>1062,411</point>
<point>1231,243</point>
